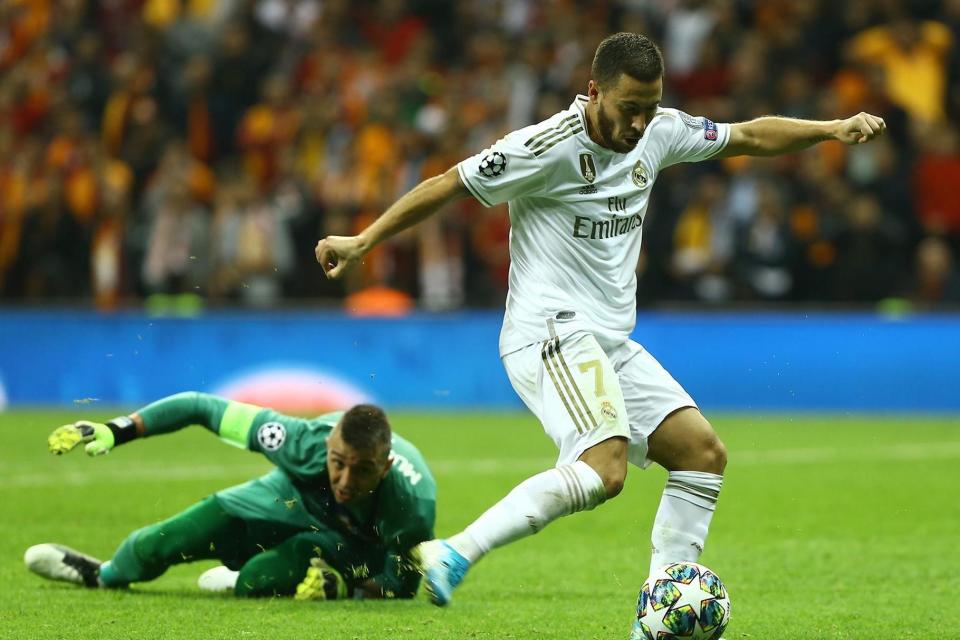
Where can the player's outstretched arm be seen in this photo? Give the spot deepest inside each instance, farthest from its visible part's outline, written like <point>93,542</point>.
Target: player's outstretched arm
<point>338,253</point>
<point>166,415</point>
<point>774,135</point>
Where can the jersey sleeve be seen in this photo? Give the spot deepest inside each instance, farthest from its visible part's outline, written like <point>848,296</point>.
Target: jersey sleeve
<point>692,138</point>
<point>503,172</point>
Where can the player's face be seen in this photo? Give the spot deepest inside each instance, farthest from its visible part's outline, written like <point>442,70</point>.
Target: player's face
<point>624,110</point>
<point>354,473</point>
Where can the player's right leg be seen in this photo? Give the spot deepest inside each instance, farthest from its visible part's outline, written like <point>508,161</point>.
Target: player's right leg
<point>569,384</point>
<point>202,531</point>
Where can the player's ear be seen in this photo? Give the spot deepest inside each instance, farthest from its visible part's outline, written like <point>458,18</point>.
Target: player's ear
<point>386,466</point>
<point>593,90</point>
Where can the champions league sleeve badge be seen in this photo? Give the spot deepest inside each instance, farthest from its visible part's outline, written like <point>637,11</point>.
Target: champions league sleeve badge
<point>493,164</point>
<point>271,436</point>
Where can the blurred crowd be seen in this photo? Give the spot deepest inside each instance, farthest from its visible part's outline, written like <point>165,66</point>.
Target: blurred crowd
<point>200,148</point>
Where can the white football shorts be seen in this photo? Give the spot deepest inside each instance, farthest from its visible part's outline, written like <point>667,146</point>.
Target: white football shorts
<point>583,395</point>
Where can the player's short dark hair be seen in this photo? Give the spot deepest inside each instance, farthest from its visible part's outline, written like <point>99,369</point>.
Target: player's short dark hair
<point>365,427</point>
<point>630,53</point>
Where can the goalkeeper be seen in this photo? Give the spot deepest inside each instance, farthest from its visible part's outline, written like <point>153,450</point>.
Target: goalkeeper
<point>335,519</point>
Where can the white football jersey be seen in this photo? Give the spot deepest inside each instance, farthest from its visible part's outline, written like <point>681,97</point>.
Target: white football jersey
<point>576,216</point>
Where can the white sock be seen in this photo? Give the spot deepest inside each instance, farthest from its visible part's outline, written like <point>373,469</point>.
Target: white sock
<point>532,505</point>
<point>686,508</point>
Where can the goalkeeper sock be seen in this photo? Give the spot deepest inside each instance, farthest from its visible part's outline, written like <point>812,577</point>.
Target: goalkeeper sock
<point>109,577</point>
<point>683,518</point>
<point>532,505</point>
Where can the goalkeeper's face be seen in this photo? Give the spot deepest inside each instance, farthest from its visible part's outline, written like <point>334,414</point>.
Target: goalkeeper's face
<point>355,473</point>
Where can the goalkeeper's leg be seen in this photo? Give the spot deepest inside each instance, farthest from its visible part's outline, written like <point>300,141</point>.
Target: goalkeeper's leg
<point>202,531</point>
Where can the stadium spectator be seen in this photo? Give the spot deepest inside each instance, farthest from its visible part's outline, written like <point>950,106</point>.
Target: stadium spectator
<point>177,258</point>
<point>766,248</point>
<point>869,252</point>
<point>336,518</point>
<point>912,55</point>
<point>703,243</point>
<point>936,176</point>
<point>938,277</point>
<point>251,240</point>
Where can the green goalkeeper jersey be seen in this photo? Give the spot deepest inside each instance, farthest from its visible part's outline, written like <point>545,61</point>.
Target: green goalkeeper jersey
<point>398,515</point>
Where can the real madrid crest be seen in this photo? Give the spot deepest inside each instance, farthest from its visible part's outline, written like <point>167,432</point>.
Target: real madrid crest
<point>639,175</point>
<point>607,410</point>
<point>587,167</point>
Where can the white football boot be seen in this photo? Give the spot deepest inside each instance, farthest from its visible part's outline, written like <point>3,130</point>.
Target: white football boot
<point>57,562</point>
<point>219,579</point>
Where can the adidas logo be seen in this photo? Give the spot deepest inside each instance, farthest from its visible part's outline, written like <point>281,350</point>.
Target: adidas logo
<point>587,190</point>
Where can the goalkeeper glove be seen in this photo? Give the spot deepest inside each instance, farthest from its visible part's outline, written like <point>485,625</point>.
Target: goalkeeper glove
<point>99,438</point>
<point>322,582</point>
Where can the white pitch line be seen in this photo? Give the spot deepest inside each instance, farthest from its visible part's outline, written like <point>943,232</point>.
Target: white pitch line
<point>483,466</point>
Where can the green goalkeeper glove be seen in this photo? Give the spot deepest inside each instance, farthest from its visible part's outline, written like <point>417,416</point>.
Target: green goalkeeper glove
<point>322,582</point>
<point>99,438</point>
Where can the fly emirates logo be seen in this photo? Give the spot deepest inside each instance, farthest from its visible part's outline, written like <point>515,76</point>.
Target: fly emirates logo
<point>616,224</point>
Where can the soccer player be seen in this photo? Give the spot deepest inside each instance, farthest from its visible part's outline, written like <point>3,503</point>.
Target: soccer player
<point>336,518</point>
<point>578,185</point>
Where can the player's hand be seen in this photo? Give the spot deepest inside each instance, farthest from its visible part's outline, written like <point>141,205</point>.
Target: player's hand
<point>322,582</point>
<point>860,128</point>
<point>98,438</point>
<point>336,254</point>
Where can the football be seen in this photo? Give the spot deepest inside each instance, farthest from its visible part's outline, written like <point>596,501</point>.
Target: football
<point>682,600</point>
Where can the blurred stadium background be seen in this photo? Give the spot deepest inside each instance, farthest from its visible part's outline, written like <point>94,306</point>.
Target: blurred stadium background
<point>182,157</point>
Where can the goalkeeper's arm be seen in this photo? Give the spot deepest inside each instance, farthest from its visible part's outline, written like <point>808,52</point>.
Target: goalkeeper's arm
<point>163,416</point>
<point>323,582</point>
<point>399,579</point>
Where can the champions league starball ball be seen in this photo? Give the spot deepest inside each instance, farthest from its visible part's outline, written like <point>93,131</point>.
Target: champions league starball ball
<point>682,600</point>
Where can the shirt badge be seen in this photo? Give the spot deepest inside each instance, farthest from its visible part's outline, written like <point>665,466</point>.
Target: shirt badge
<point>493,164</point>
<point>639,175</point>
<point>587,168</point>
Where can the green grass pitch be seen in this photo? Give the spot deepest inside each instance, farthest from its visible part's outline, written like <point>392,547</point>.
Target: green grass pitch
<point>827,528</point>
